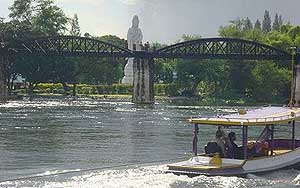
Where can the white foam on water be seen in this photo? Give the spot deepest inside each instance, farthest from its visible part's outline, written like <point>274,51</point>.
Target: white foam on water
<point>125,110</point>
<point>55,172</point>
<point>296,180</point>
<point>57,103</point>
<point>139,177</point>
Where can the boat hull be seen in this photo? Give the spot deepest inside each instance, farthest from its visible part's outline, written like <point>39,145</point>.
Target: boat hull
<point>233,167</point>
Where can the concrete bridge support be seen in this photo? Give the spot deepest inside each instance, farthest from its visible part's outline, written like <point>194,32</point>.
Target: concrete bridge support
<point>296,97</point>
<point>3,86</point>
<point>143,81</point>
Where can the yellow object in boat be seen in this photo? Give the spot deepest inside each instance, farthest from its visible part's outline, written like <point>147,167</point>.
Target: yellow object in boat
<point>216,160</point>
<point>242,111</point>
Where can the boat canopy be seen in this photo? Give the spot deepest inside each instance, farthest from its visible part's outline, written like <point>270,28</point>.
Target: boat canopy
<point>261,116</point>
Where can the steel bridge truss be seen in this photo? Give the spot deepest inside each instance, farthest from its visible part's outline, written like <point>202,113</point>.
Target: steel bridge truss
<point>207,48</point>
<point>223,48</point>
<point>72,46</point>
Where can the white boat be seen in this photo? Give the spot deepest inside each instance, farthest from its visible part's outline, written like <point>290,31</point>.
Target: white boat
<point>266,153</point>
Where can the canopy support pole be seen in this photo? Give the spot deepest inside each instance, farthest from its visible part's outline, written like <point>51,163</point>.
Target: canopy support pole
<point>272,140</point>
<point>245,141</point>
<point>195,140</point>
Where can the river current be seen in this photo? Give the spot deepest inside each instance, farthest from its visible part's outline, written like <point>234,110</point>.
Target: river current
<point>59,143</point>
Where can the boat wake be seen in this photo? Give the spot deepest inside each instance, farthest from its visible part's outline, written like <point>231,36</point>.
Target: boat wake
<point>155,177</point>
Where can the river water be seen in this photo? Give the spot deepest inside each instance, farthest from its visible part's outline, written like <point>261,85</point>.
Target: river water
<point>85,143</point>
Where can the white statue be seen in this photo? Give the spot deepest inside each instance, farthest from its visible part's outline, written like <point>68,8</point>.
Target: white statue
<point>134,37</point>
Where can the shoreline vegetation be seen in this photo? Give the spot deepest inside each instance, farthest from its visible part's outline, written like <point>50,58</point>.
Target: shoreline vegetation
<point>163,92</point>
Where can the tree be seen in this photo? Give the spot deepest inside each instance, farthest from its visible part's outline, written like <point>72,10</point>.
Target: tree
<point>163,70</point>
<point>294,32</point>
<point>49,19</point>
<point>255,35</point>
<point>271,83</point>
<point>31,19</point>
<point>266,24</point>
<point>201,77</point>
<point>186,37</point>
<point>75,28</point>
<point>112,39</point>
<point>230,31</point>
<point>237,29</point>
<point>36,70</point>
<point>257,25</point>
<point>276,23</point>
<point>103,70</point>
<point>21,16</point>
<point>87,35</point>
<point>71,66</point>
<point>248,25</point>
<point>280,21</point>
<point>21,10</point>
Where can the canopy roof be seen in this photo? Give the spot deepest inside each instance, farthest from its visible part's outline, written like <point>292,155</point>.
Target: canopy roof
<point>261,116</point>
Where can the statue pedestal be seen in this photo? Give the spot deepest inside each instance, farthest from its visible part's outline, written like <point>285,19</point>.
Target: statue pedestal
<point>128,71</point>
<point>143,83</point>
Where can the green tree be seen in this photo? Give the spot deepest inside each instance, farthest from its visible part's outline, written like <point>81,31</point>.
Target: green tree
<point>255,35</point>
<point>294,32</point>
<point>230,31</point>
<point>112,39</point>
<point>49,19</point>
<point>248,25</point>
<point>103,70</point>
<point>75,28</point>
<point>21,16</point>
<point>30,19</point>
<point>266,24</point>
<point>271,83</point>
<point>257,25</point>
<point>36,70</point>
<point>163,70</point>
<point>237,29</point>
<point>280,21</point>
<point>284,29</point>
<point>87,35</point>
<point>186,37</point>
<point>72,64</point>
<point>201,77</point>
<point>276,24</point>
<point>21,10</point>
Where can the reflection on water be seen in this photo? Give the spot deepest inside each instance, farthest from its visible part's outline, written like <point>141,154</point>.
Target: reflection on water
<point>43,137</point>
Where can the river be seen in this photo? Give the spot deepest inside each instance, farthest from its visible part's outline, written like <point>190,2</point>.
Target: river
<point>85,143</point>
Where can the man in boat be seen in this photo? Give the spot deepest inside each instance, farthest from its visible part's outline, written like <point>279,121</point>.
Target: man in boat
<point>233,150</point>
<point>220,135</point>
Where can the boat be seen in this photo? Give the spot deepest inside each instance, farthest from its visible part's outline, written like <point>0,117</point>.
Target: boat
<point>268,152</point>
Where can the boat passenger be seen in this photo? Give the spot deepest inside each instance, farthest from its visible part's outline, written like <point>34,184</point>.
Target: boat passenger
<point>220,141</point>
<point>233,151</point>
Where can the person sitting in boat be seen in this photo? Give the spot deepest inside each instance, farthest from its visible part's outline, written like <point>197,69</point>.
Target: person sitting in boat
<point>233,151</point>
<point>220,135</point>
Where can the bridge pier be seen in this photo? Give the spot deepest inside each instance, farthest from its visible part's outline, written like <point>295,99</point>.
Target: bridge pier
<point>3,86</point>
<point>143,81</point>
<point>296,97</point>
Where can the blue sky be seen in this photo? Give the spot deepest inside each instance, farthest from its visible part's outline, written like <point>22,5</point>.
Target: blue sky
<point>167,20</point>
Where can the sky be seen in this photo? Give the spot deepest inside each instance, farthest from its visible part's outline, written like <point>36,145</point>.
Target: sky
<point>165,21</point>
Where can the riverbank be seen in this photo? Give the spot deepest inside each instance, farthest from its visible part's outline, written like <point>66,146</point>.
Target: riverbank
<point>163,92</point>
<point>178,100</point>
